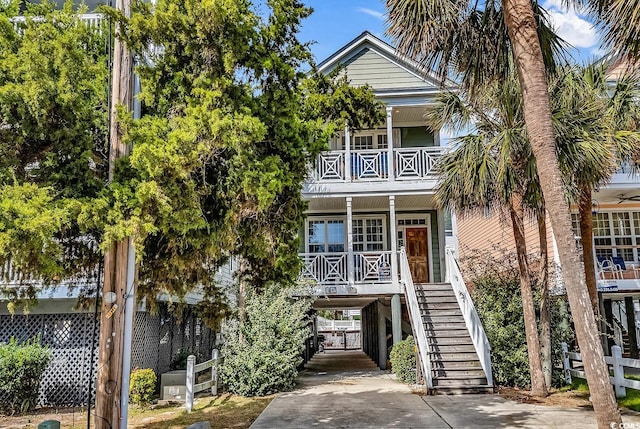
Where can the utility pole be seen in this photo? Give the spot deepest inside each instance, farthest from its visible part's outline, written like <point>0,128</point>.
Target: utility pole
<point>117,269</point>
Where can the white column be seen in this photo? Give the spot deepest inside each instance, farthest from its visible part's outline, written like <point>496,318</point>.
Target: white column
<point>396,318</point>
<point>442,242</point>
<point>347,152</point>
<point>392,174</point>
<point>351,274</point>
<point>394,240</point>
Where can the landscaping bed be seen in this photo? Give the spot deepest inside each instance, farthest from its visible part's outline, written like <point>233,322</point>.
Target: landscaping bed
<point>224,411</point>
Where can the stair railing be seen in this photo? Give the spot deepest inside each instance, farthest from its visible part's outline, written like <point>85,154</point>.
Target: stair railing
<point>471,318</point>
<point>416,318</point>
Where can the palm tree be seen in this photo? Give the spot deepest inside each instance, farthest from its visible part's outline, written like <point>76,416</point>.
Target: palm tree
<point>477,39</point>
<point>601,134</point>
<point>487,171</point>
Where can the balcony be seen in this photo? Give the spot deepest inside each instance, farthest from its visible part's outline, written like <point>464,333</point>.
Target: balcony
<point>371,165</point>
<point>330,273</point>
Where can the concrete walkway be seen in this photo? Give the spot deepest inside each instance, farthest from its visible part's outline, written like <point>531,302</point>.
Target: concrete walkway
<point>330,397</point>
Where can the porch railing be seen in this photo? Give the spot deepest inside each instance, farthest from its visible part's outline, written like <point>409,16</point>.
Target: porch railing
<point>415,315</point>
<point>470,315</point>
<point>92,20</point>
<point>325,267</point>
<point>333,268</point>
<point>373,164</point>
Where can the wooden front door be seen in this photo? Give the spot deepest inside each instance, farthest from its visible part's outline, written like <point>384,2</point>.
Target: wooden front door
<point>418,253</point>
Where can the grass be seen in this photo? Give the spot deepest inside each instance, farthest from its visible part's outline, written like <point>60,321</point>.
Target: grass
<point>225,411</point>
<point>631,401</point>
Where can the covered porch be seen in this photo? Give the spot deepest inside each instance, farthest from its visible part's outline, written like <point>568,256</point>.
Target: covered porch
<point>350,245</point>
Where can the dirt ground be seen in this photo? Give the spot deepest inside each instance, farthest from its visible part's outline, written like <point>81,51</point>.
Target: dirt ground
<point>225,411</point>
<point>557,398</point>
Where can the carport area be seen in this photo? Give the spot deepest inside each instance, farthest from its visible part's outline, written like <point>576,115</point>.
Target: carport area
<point>379,316</point>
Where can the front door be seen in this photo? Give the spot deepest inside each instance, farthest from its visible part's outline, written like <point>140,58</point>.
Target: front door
<point>418,253</point>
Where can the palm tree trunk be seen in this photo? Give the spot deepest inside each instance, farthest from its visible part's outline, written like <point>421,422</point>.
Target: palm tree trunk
<point>538,387</point>
<point>521,25</point>
<point>545,307</point>
<point>586,239</point>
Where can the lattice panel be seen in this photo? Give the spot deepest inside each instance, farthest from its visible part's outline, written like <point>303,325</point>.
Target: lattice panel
<point>137,349</point>
<point>151,342</point>
<point>157,339</point>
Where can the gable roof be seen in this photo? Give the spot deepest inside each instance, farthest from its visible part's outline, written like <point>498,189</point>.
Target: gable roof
<point>368,59</point>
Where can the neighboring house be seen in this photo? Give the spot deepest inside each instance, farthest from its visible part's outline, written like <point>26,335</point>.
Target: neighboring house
<point>616,245</point>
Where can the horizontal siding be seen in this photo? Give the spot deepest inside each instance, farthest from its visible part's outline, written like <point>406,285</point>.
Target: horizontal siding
<point>368,67</point>
<point>482,234</point>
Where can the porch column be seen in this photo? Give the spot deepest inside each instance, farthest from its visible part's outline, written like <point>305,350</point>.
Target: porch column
<point>391,169</point>
<point>396,318</point>
<point>442,243</point>
<point>394,240</point>
<point>631,326</point>
<point>350,268</point>
<point>382,337</point>
<point>347,152</point>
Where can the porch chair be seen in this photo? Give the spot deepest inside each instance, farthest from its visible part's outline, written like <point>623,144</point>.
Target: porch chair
<point>606,265</point>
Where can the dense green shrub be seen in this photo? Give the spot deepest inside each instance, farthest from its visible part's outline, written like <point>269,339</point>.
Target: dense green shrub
<point>265,358</point>
<point>142,386</point>
<point>496,295</point>
<point>403,360</point>
<point>21,368</point>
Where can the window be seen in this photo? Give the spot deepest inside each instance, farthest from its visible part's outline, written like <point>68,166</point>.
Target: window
<point>362,142</point>
<point>615,234</point>
<point>326,236</point>
<point>622,235</point>
<point>368,235</point>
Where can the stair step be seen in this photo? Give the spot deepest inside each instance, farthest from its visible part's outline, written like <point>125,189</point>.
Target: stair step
<point>442,319</point>
<point>452,348</point>
<point>456,366</point>
<point>459,382</point>
<point>439,305</point>
<point>439,325</point>
<point>438,299</point>
<point>442,312</point>
<point>455,373</point>
<point>448,341</point>
<point>453,357</point>
<point>435,333</point>
<point>433,286</point>
<point>463,390</point>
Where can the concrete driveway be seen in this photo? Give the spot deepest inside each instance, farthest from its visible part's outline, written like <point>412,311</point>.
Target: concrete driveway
<point>368,398</point>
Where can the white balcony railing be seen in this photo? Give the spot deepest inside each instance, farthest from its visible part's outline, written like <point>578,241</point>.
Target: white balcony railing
<point>92,20</point>
<point>333,268</point>
<point>373,164</point>
<point>324,268</point>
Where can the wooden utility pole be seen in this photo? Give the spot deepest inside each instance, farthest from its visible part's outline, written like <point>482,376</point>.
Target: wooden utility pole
<point>115,288</point>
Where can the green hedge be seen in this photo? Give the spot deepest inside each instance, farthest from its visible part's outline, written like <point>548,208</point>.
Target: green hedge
<point>21,368</point>
<point>496,295</point>
<point>142,386</point>
<point>265,357</point>
<point>403,360</point>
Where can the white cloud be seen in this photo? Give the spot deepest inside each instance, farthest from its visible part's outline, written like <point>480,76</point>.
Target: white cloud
<point>570,25</point>
<point>371,12</point>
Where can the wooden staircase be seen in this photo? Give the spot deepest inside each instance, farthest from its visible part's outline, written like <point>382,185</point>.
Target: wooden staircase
<point>455,365</point>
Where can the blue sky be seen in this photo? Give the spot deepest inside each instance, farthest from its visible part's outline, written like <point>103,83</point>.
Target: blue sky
<point>336,22</point>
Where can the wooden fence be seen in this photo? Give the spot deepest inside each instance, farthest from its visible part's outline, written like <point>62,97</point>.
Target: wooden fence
<point>193,369</point>
<point>616,361</point>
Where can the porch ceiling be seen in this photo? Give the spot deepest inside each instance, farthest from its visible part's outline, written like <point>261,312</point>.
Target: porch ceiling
<point>342,303</point>
<point>410,114</point>
<point>377,203</point>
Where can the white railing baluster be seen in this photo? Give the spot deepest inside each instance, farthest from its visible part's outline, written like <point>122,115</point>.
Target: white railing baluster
<point>471,318</point>
<point>416,318</point>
